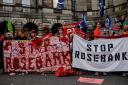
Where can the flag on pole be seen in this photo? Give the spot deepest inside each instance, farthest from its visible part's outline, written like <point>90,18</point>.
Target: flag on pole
<point>60,4</point>
<point>83,24</point>
<point>101,6</point>
<point>9,26</point>
<point>108,22</point>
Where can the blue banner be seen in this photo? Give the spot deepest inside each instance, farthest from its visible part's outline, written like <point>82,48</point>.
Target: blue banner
<point>83,23</point>
<point>60,4</point>
<point>101,6</point>
<point>108,22</point>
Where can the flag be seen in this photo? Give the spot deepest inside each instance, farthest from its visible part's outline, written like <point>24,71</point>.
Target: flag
<point>108,22</point>
<point>60,4</point>
<point>101,6</point>
<point>83,24</point>
<point>9,26</point>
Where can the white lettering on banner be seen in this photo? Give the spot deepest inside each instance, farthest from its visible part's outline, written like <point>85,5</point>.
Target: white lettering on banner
<point>20,56</point>
<point>100,55</point>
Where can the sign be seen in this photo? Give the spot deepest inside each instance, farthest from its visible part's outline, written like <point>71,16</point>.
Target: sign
<point>21,56</point>
<point>70,29</point>
<point>90,80</point>
<point>104,55</point>
<point>71,25</point>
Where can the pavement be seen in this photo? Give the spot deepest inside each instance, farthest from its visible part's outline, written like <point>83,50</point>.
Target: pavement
<point>50,79</point>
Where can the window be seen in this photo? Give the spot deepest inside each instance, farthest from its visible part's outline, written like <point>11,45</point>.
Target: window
<point>49,3</point>
<point>89,5</point>
<point>8,1</point>
<point>67,4</point>
<point>25,2</point>
<point>55,3</point>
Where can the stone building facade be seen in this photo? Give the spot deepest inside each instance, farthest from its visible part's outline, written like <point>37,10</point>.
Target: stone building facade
<point>37,11</point>
<point>42,12</point>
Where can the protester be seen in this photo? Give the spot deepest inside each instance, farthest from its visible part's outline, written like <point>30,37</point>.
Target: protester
<point>96,31</point>
<point>8,36</point>
<point>36,42</point>
<point>62,36</point>
<point>116,27</point>
<point>55,27</point>
<point>58,31</point>
<point>47,34</point>
<point>125,27</point>
<point>20,35</point>
<point>1,51</point>
<point>32,34</point>
<point>1,38</point>
<point>90,35</point>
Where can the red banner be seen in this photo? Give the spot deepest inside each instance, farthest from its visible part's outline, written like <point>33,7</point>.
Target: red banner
<point>21,56</point>
<point>70,29</point>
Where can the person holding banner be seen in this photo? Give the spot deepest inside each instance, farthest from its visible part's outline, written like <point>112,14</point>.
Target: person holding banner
<point>47,34</point>
<point>57,30</point>
<point>125,27</point>
<point>55,27</point>
<point>63,37</point>
<point>96,31</point>
<point>36,42</point>
<point>32,34</point>
<point>8,36</point>
<point>20,35</point>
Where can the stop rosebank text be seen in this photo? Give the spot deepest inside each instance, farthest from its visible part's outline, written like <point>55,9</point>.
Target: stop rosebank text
<point>22,56</point>
<point>97,57</point>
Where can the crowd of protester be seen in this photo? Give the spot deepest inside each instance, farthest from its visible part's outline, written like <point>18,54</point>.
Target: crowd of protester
<point>57,30</point>
<point>119,27</point>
